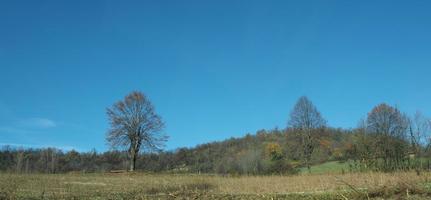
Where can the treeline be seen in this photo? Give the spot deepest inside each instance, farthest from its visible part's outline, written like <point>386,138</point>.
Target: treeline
<point>51,160</point>
<point>276,151</point>
<point>266,152</point>
<point>386,140</point>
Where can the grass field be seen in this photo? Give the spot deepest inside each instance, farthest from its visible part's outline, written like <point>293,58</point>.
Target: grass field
<point>170,186</point>
<point>333,167</point>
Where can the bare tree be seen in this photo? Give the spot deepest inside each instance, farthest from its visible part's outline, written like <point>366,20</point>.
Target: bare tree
<point>419,131</point>
<point>135,125</point>
<point>306,119</point>
<point>389,126</point>
<point>363,146</point>
<point>19,159</point>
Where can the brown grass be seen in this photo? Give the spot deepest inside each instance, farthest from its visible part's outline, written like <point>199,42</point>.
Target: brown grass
<point>130,186</point>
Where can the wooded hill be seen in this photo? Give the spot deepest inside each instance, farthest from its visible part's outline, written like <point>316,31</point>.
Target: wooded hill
<point>276,151</point>
<point>267,151</point>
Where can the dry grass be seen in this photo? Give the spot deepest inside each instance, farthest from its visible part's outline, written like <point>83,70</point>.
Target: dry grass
<point>147,186</point>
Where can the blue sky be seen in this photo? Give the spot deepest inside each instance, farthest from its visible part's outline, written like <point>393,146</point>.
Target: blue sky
<point>213,69</point>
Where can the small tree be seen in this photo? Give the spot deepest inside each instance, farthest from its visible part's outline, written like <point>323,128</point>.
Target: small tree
<point>306,119</point>
<point>419,131</point>
<point>363,147</point>
<point>274,151</point>
<point>135,125</point>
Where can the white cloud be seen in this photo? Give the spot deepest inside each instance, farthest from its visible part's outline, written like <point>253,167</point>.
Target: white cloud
<point>13,130</point>
<point>28,126</point>
<point>19,145</point>
<point>38,123</point>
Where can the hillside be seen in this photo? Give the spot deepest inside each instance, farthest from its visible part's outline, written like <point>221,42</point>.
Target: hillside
<point>265,152</point>
<point>251,154</point>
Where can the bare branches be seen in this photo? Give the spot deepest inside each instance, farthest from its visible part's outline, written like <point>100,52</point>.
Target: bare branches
<point>135,125</point>
<point>388,121</point>
<point>305,118</point>
<point>388,127</point>
<point>419,129</point>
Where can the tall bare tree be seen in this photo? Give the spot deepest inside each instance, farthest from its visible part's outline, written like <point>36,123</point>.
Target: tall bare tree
<point>419,128</point>
<point>135,125</point>
<point>419,131</point>
<point>306,119</point>
<point>389,126</point>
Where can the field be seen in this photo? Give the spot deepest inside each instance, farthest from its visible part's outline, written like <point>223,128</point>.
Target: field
<point>406,185</point>
<point>333,167</point>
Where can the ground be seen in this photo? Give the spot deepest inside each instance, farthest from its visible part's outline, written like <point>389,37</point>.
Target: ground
<point>401,185</point>
<point>332,167</point>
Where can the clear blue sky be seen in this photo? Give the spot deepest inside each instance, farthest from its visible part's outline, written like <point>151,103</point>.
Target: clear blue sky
<point>213,69</point>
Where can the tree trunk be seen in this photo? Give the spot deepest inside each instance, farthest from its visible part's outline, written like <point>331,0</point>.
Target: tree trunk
<point>132,160</point>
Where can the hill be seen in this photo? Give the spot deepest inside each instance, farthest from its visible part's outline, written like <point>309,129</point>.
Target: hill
<point>266,152</point>
<point>276,151</point>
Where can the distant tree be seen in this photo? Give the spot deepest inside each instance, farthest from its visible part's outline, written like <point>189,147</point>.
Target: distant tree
<point>306,119</point>
<point>250,161</point>
<point>274,151</point>
<point>419,131</point>
<point>135,125</point>
<point>389,126</point>
<point>19,160</point>
<point>72,161</point>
